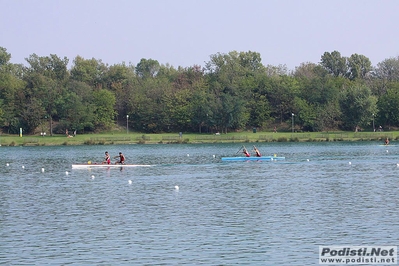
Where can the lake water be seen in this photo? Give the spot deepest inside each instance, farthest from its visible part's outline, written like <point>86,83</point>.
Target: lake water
<point>224,213</point>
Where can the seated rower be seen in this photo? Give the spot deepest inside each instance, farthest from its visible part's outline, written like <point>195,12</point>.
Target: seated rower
<point>257,152</point>
<point>107,158</point>
<point>121,158</point>
<point>246,153</point>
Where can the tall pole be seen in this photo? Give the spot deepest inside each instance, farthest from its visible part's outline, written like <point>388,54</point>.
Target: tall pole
<point>373,124</point>
<point>292,127</point>
<point>127,124</point>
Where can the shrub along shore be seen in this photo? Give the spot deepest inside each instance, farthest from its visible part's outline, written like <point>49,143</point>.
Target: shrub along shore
<point>177,138</point>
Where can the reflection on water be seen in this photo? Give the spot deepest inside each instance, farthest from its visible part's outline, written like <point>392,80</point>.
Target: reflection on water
<point>257,213</point>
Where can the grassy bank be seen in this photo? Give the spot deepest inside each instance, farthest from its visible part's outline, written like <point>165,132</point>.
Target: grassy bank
<point>241,137</point>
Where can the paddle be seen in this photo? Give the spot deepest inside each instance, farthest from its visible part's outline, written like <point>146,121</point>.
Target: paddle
<point>240,149</point>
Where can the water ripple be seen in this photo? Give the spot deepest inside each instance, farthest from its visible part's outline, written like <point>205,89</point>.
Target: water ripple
<point>244,213</point>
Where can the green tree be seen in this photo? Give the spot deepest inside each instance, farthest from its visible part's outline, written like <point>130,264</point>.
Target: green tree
<point>51,67</point>
<point>121,80</point>
<point>190,84</point>
<point>306,115</point>
<point>4,57</point>
<point>179,108</point>
<point>334,63</point>
<point>359,66</point>
<point>31,114</point>
<point>89,71</point>
<point>282,90</point>
<point>388,69</point>
<point>147,68</point>
<point>232,77</point>
<point>201,109</point>
<point>104,113</point>
<point>260,111</point>
<point>328,116</point>
<point>388,105</point>
<point>385,74</point>
<point>46,79</point>
<point>230,113</point>
<point>357,105</point>
<point>10,85</point>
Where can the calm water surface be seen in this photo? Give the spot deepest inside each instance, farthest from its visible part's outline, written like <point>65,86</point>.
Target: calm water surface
<point>235,213</point>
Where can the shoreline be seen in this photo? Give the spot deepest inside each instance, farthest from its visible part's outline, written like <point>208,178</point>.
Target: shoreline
<point>192,138</point>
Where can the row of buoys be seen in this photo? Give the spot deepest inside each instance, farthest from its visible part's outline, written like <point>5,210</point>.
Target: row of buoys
<point>131,182</point>
<point>214,156</point>
<point>349,162</point>
<point>92,176</point>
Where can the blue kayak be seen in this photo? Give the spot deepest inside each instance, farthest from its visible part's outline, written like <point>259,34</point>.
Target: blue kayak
<point>263,158</point>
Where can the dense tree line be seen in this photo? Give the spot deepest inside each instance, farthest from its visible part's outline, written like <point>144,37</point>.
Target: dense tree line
<point>233,91</point>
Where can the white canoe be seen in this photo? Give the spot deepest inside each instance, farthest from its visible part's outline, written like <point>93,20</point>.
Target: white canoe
<point>86,165</point>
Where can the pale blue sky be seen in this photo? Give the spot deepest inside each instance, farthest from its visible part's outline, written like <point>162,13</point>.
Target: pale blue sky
<point>188,32</point>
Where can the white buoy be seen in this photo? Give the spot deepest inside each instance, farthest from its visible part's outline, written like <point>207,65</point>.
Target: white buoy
<point>23,167</point>
<point>92,177</point>
<point>176,187</point>
<point>350,163</point>
<point>387,150</point>
<point>397,164</point>
<point>214,156</point>
<point>7,164</point>
<point>66,173</point>
<point>307,160</point>
<point>130,182</point>
<point>42,170</point>
<point>188,154</point>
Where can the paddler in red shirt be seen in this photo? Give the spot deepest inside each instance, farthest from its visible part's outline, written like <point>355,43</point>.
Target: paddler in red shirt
<point>257,152</point>
<point>246,153</point>
<point>107,159</point>
<point>121,159</point>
